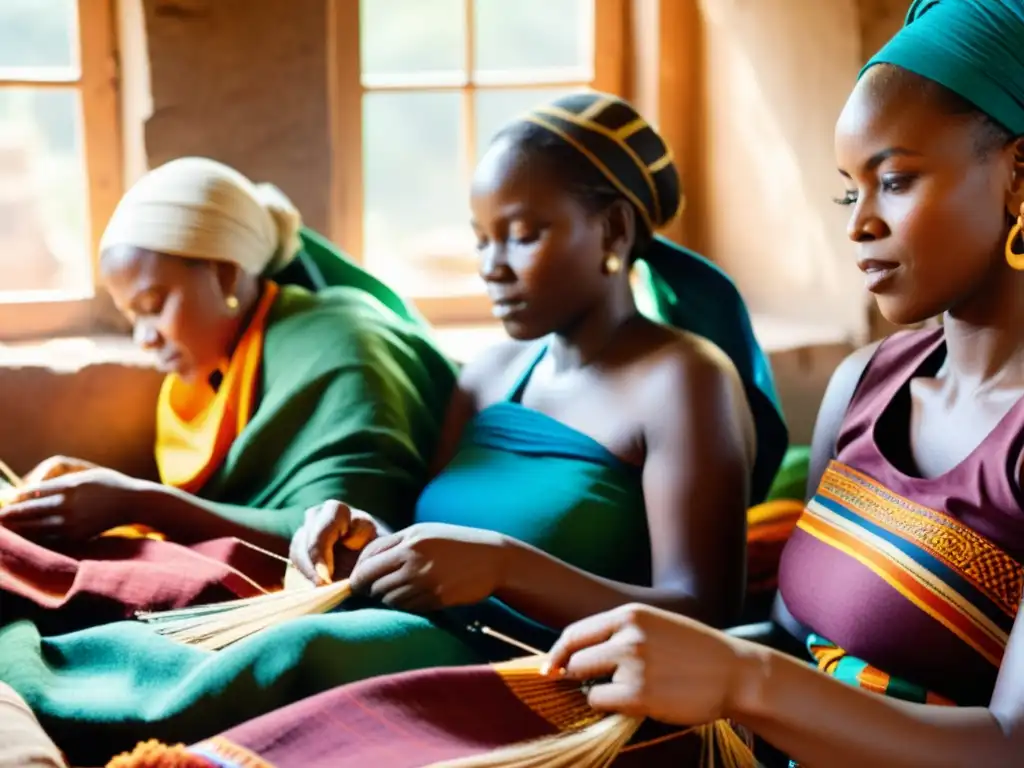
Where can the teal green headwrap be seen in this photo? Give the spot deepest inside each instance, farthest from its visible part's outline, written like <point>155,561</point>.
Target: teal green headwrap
<point>975,48</point>
<point>676,287</point>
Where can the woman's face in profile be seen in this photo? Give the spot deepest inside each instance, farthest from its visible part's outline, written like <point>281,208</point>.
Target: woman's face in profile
<point>927,209</point>
<point>177,307</point>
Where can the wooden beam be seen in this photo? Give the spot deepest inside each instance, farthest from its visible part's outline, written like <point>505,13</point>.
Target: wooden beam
<point>39,77</point>
<point>51,84</point>
<point>101,111</point>
<point>345,112</point>
<point>467,159</point>
<point>484,81</point>
<point>667,41</point>
<point>610,46</point>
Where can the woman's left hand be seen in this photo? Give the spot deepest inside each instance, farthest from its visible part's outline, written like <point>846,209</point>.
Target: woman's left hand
<point>430,566</point>
<point>74,507</point>
<point>657,664</point>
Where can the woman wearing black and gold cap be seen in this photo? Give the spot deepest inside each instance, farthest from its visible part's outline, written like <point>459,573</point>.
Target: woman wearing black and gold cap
<point>582,441</point>
<point>603,456</point>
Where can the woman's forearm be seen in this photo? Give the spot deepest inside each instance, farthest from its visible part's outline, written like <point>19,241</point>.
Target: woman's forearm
<point>556,594</point>
<point>820,721</point>
<point>187,519</point>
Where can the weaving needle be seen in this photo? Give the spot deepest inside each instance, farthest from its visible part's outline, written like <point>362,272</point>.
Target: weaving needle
<point>484,629</point>
<point>509,640</point>
<point>266,552</point>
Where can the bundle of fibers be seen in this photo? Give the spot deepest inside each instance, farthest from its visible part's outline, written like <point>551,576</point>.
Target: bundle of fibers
<point>586,737</point>
<point>218,625</point>
<point>600,744</point>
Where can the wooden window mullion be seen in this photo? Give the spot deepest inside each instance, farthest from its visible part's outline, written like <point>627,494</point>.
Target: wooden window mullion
<point>345,109</point>
<point>469,93</point>
<point>96,81</point>
<point>100,115</point>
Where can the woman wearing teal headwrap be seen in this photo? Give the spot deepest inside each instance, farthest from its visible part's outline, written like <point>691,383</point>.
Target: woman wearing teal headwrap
<point>909,558</point>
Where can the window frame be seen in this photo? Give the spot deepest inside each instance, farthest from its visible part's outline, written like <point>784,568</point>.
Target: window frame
<point>346,89</point>
<point>41,314</point>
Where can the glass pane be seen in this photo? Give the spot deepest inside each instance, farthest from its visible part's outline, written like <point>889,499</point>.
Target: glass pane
<point>38,33</point>
<point>43,201</point>
<point>496,108</point>
<point>417,233</point>
<point>412,37</point>
<point>520,36</point>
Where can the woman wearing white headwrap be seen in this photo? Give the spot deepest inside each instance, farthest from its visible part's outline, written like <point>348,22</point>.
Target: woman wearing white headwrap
<point>277,398</point>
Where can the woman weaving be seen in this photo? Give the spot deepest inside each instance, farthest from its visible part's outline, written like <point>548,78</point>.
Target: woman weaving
<point>277,398</point>
<point>608,456</point>
<point>904,578</point>
<point>600,458</point>
<point>905,575</point>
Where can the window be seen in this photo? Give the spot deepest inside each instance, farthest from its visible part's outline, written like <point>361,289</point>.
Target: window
<point>436,80</point>
<point>59,159</point>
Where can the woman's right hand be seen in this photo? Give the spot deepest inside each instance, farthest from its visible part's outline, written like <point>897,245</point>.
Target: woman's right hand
<point>326,526</point>
<point>655,664</point>
<point>56,466</point>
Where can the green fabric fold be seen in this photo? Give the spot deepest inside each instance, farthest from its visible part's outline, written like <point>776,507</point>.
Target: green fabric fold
<point>351,408</point>
<point>353,393</point>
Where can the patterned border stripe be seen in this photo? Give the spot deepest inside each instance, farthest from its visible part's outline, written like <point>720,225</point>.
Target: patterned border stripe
<point>956,576</point>
<point>976,558</point>
<point>934,572</point>
<point>930,598</point>
<point>835,662</point>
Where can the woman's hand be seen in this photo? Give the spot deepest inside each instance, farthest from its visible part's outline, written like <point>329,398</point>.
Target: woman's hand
<point>656,664</point>
<point>74,507</point>
<point>327,526</point>
<point>56,466</point>
<point>431,566</point>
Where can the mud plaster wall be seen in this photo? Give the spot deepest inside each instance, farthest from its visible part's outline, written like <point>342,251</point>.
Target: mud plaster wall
<point>99,410</point>
<point>243,82</point>
<point>777,75</point>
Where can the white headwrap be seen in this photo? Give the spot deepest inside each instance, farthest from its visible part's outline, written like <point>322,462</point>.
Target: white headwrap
<point>201,209</point>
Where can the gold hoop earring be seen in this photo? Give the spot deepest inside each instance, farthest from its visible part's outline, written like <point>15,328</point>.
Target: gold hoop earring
<point>1013,258</point>
<point>231,302</point>
<point>612,264</point>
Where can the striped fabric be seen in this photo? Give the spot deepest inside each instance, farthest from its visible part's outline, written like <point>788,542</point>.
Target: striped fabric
<point>834,661</point>
<point>953,574</point>
<point>430,717</point>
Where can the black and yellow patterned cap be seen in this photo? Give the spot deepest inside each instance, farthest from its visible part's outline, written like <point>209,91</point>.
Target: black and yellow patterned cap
<point>622,145</point>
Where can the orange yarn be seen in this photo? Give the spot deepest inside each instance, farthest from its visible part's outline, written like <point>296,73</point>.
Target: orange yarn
<point>153,754</point>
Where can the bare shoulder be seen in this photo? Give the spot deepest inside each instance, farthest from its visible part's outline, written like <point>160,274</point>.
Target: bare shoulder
<point>687,366</point>
<point>495,369</point>
<point>690,385</point>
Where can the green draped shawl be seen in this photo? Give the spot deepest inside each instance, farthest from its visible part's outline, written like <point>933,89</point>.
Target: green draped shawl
<point>352,396</point>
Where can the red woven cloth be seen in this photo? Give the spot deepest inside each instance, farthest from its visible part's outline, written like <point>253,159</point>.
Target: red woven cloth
<point>410,720</point>
<point>109,579</point>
